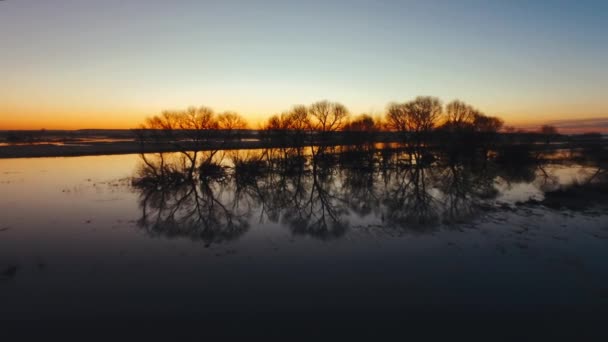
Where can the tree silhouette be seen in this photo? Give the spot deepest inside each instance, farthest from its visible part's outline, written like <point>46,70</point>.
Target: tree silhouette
<point>417,116</point>
<point>327,116</point>
<point>232,124</point>
<point>487,124</point>
<point>288,128</point>
<point>187,131</point>
<point>460,116</point>
<point>231,121</point>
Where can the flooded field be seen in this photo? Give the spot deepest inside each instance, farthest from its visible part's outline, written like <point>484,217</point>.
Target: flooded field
<point>301,230</point>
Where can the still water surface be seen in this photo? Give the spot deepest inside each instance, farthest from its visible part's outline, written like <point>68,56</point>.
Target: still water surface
<point>78,239</point>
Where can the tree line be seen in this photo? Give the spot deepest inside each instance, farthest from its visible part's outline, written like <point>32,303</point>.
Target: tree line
<point>421,121</point>
<point>423,114</point>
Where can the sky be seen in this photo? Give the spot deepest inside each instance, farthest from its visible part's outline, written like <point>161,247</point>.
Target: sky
<point>67,64</point>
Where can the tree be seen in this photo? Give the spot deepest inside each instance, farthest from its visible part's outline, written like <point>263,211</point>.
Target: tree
<point>459,115</point>
<point>362,123</point>
<point>288,128</point>
<point>361,130</point>
<point>192,124</point>
<point>231,121</point>
<point>295,120</point>
<point>327,116</point>
<point>299,118</point>
<point>188,131</point>
<point>487,124</point>
<point>417,116</point>
<point>276,122</point>
<point>397,117</point>
<point>197,120</point>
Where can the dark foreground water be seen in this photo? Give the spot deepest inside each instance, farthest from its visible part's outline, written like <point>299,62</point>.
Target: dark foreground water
<point>340,237</point>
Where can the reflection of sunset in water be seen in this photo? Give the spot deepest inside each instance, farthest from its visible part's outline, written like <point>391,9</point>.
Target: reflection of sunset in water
<point>75,225</point>
<point>326,168</point>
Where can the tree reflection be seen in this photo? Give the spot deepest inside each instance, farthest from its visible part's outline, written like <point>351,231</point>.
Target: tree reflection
<point>196,209</point>
<point>591,189</point>
<point>409,202</point>
<point>323,193</point>
<point>465,187</point>
<point>307,200</point>
<point>360,180</point>
<point>318,210</point>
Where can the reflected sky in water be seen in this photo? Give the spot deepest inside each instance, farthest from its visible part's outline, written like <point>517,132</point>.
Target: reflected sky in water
<point>281,230</point>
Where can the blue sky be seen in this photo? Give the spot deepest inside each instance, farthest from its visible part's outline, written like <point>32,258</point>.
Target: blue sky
<point>116,62</point>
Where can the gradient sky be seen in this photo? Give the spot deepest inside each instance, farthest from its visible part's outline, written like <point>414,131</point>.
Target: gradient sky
<point>109,64</point>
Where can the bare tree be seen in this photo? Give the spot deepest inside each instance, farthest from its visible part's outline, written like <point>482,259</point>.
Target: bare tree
<point>198,121</point>
<point>397,117</point>
<point>188,131</point>
<point>275,122</point>
<point>297,120</point>
<point>327,116</point>
<point>288,128</point>
<point>418,116</point>
<point>487,124</point>
<point>231,121</point>
<point>362,131</point>
<point>232,124</point>
<point>193,123</point>
<point>459,115</point>
<point>362,123</point>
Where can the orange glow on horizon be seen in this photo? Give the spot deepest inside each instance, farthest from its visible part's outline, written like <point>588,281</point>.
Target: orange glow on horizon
<point>66,123</point>
<point>59,119</point>
<point>56,121</point>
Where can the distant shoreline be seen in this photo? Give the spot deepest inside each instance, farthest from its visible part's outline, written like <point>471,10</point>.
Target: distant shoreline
<point>41,144</point>
<point>105,148</point>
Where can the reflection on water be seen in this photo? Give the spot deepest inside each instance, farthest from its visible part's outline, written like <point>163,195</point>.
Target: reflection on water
<point>324,193</point>
<point>330,229</point>
<point>198,211</point>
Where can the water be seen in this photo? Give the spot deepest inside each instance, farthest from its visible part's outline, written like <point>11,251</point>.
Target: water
<point>92,237</point>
